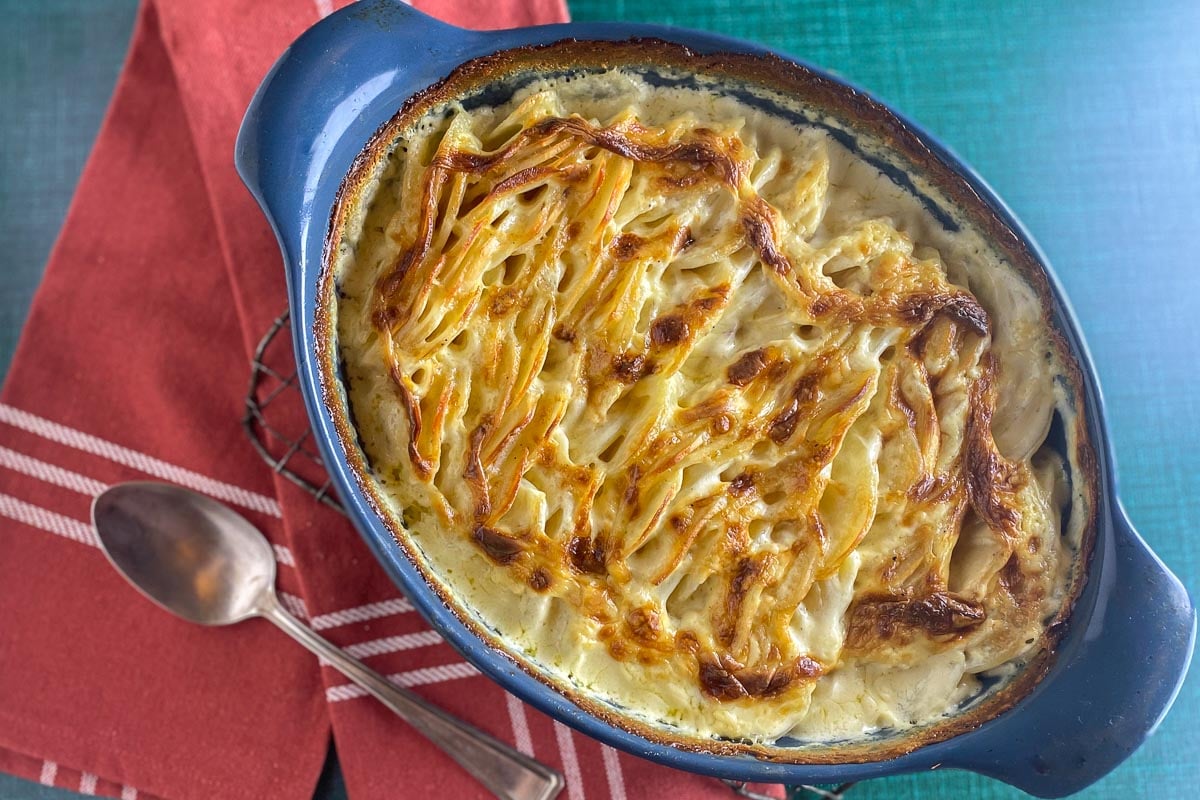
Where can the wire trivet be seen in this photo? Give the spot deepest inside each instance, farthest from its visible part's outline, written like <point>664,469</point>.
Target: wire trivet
<point>285,443</point>
<point>289,452</point>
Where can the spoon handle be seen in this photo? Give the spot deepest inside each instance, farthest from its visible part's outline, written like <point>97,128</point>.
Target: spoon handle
<point>509,774</point>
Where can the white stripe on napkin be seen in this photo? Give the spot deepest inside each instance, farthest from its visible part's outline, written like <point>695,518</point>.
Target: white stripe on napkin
<point>18,462</point>
<point>416,677</point>
<point>87,783</point>
<point>612,768</point>
<point>37,517</point>
<point>520,724</point>
<point>43,471</point>
<point>88,443</point>
<point>390,644</point>
<point>49,773</point>
<point>384,608</point>
<point>570,761</point>
<point>394,644</point>
<point>294,605</point>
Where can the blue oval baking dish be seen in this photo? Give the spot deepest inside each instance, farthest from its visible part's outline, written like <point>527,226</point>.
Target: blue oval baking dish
<point>1127,643</point>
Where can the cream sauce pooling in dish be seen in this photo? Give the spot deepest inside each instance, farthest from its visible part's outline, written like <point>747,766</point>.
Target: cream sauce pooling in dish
<point>702,413</point>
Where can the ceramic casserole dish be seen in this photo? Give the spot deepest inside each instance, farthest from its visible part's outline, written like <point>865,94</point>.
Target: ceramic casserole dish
<point>1114,660</point>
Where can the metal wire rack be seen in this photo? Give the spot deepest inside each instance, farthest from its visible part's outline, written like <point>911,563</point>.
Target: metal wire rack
<point>284,445</point>
<point>284,441</point>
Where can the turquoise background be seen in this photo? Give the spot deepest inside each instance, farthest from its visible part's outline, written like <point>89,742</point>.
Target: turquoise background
<point>1085,117</point>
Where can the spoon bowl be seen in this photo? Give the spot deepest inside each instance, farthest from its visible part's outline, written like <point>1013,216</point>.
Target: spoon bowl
<point>188,553</point>
<point>202,561</point>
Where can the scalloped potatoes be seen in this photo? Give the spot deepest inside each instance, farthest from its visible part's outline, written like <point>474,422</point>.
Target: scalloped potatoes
<point>702,413</point>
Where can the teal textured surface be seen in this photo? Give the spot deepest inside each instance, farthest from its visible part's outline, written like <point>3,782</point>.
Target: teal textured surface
<point>1084,116</point>
<point>59,60</point>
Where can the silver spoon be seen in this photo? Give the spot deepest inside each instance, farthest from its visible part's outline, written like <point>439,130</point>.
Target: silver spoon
<point>202,561</point>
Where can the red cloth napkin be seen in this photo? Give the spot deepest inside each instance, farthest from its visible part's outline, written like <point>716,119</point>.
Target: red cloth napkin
<point>133,365</point>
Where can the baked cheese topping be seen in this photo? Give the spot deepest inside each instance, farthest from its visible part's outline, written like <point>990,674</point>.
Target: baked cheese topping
<point>702,413</point>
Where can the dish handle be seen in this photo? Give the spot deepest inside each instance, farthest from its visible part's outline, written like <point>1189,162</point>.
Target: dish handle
<point>349,72</point>
<point>1113,683</point>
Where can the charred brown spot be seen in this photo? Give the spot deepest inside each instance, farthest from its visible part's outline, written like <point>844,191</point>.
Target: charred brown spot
<point>723,678</point>
<point>391,281</point>
<point>934,488</point>
<point>714,410</point>
<point>504,301</point>
<point>826,303</point>
<point>1012,578</point>
<point>631,367</point>
<point>713,300</point>
<point>920,308</point>
<point>808,668</point>
<point>686,642</point>
<point>617,647</point>
<point>412,411</point>
<point>745,576</point>
<point>521,179</point>
<point>966,310</point>
<point>717,678</point>
<point>766,681</point>
<point>737,539</point>
<point>575,173</point>
<point>988,475</point>
<point>669,183</point>
<point>804,395</point>
<point>463,161</point>
<point>499,547</point>
<point>684,240</point>
<point>756,221</point>
<point>627,246</point>
<point>920,490</point>
<point>916,309</point>
<point>937,614</point>
<point>474,472</point>
<point>777,369</point>
<point>631,490</point>
<point>748,571</point>
<point>384,317</point>
<point>539,580</point>
<point>669,330</point>
<point>784,424</point>
<point>574,229</point>
<point>747,367</point>
<point>742,485</point>
<point>644,624</point>
<point>563,333</point>
<point>699,153</point>
<point>588,555</point>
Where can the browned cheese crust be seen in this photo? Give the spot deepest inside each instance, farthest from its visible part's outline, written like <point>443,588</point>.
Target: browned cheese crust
<point>653,377</point>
